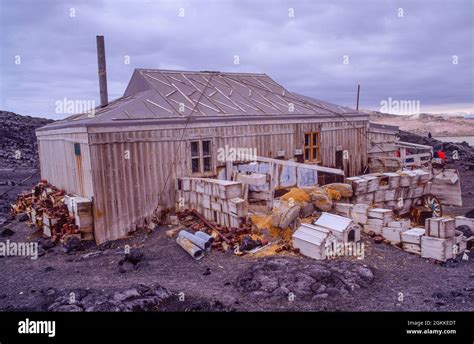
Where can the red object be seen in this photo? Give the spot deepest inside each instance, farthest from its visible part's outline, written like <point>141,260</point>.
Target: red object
<point>441,155</point>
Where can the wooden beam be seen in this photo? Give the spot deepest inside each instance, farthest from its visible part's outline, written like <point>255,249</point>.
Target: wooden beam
<point>272,185</point>
<point>210,225</point>
<point>297,164</point>
<point>229,167</point>
<point>409,144</point>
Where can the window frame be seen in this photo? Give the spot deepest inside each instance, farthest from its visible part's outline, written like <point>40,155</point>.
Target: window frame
<point>312,146</point>
<point>201,156</point>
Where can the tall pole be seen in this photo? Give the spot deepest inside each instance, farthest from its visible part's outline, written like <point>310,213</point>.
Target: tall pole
<point>358,94</point>
<point>102,71</point>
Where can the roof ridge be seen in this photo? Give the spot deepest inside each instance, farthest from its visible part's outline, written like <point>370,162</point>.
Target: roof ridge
<point>195,71</point>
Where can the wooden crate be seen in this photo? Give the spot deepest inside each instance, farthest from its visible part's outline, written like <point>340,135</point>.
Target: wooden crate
<point>390,195</point>
<point>393,179</point>
<point>359,185</point>
<point>366,198</point>
<point>374,225</point>
<point>412,248</point>
<point>401,223</point>
<point>379,196</point>
<point>392,234</point>
<point>372,182</point>
<point>238,207</point>
<point>343,209</point>
<point>436,248</point>
<point>440,227</point>
<point>385,215</point>
<point>413,235</point>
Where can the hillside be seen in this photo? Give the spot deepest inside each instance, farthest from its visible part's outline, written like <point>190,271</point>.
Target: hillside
<point>422,124</point>
<point>18,146</point>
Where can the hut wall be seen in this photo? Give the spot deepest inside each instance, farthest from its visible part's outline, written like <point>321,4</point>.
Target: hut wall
<point>61,165</point>
<point>134,169</point>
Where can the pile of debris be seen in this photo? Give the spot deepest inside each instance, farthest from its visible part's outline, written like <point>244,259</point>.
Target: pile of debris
<point>224,238</point>
<point>56,214</point>
<point>461,152</point>
<point>437,240</point>
<point>397,191</point>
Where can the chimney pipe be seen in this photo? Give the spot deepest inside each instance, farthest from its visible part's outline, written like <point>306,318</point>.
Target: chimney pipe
<point>102,71</point>
<point>358,93</point>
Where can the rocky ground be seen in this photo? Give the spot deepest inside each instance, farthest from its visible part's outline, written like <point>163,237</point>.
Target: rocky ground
<point>157,275</point>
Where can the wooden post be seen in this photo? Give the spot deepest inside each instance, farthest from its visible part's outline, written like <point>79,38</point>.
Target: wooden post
<point>403,154</point>
<point>272,185</point>
<point>229,167</point>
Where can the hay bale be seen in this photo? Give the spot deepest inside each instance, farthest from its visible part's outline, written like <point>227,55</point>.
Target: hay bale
<point>344,190</point>
<point>333,194</point>
<point>307,208</point>
<point>261,222</point>
<point>284,213</point>
<point>297,195</point>
<point>321,199</point>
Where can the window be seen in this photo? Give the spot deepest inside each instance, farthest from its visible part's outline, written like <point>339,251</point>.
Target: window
<point>77,149</point>
<point>201,156</point>
<point>195,159</point>
<point>311,147</point>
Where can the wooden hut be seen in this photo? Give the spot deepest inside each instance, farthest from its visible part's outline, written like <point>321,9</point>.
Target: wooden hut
<point>126,155</point>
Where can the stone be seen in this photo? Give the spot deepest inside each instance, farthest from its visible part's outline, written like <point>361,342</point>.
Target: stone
<point>47,244</point>
<point>73,243</point>
<point>126,294</point>
<point>7,232</point>
<point>466,231</point>
<point>22,217</point>
<point>320,296</point>
<point>281,292</point>
<point>125,266</point>
<point>50,292</point>
<point>135,256</point>
<point>68,308</point>
<point>248,244</point>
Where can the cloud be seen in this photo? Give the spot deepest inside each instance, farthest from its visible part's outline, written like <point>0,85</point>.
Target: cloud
<point>407,57</point>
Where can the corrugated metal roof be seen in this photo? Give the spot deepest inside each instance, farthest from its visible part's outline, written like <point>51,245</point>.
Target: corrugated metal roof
<point>156,95</point>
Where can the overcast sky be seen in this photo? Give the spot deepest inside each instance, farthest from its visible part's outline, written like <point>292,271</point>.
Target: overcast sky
<point>403,50</point>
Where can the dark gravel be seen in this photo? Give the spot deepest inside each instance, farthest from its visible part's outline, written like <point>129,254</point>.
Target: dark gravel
<point>157,275</point>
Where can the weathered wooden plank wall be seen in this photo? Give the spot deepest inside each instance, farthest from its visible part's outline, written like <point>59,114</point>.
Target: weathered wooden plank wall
<point>61,167</point>
<point>129,168</point>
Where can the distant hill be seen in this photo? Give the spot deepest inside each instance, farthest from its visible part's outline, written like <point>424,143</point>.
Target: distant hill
<point>437,124</point>
<point>18,146</point>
